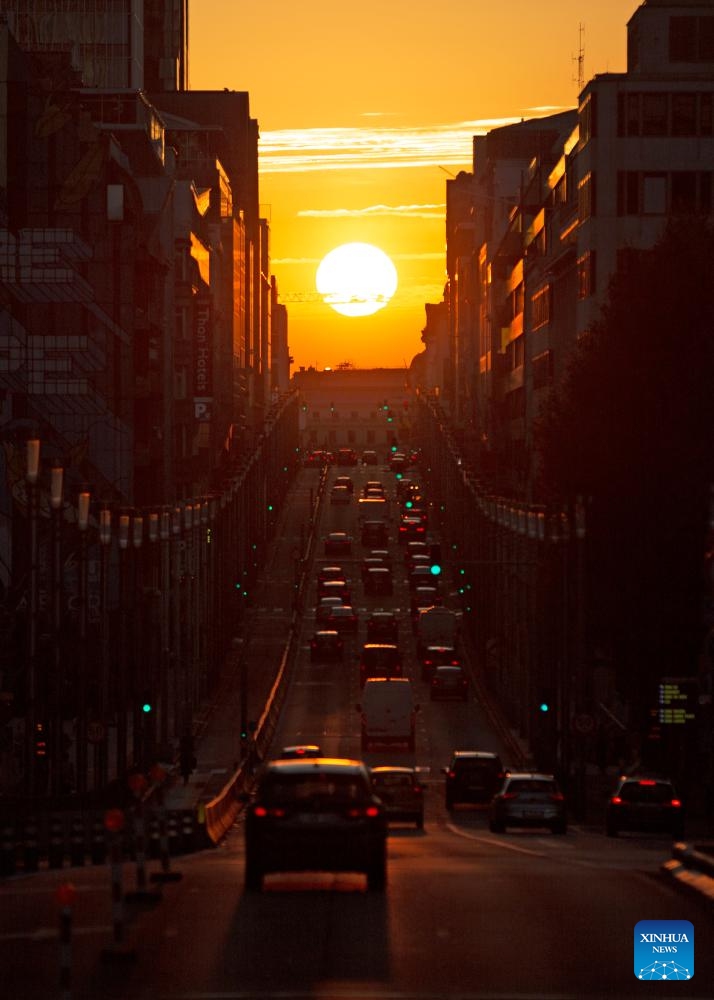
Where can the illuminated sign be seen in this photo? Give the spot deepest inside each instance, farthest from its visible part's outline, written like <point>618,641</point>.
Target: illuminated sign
<point>676,699</point>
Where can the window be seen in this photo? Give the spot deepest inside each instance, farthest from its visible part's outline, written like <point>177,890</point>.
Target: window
<point>684,114</point>
<point>632,119</point>
<point>628,186</point>
<point>586,197</point>
<point>654,194</point>
<point>541,307</point>
<point>586,275</point>
<point>654,114</point>
<point>691,39</point>
<point>542,369</point>
<point>705,114</point>
<point>588,118</point>
<point>683,192</point>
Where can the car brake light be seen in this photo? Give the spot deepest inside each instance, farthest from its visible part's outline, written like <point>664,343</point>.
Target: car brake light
<point>616,800</point>
<point>369,811</point>
<point>509,795</point>
<point>261,812</point>
<point>451,774</point>
<point>676,803</point>
<point>646,781</point>
<point>557,797</point>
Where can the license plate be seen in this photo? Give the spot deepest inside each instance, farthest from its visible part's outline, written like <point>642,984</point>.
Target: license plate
<point>316,819</point>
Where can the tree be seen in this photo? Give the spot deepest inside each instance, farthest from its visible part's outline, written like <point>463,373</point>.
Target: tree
<point>631,429</point>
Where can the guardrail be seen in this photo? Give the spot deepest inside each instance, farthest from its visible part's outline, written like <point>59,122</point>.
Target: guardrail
<point>692,868</point>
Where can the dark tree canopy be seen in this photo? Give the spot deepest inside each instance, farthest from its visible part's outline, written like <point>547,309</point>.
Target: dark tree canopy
<point>631,428</point>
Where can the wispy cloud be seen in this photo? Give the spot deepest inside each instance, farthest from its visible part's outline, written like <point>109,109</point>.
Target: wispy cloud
<point>304,261</point>
<point>299,150</point>
<point>374,211</point>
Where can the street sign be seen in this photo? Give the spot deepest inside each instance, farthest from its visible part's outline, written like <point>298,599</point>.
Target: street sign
<point>96,731</point>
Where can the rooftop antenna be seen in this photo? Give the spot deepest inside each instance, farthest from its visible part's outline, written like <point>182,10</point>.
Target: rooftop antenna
<point>579,60</point>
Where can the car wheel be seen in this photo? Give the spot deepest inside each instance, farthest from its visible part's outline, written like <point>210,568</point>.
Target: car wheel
<point>496,827</point>
<point>253,877</point>
<point>377,876</point>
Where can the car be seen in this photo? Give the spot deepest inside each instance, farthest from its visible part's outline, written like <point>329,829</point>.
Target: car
<point>414,548</point>
<point>472,776</point>
<point>373,484</point>
<point>346,456</point>
<point>530,800</point>
<point>411,529</point>
<point>330,573</point>
<point>383,554</point>
<point>449,682</point>
<point>317,459</point>
<point>421,576</point>
<point>334,588</point>
<point>338,543</point>
<point>300,751</point>
<point>383,626</point>
<point>402,793</point>
<point>404,486</point>
<point>322,611</point>
<point>438,656</point>
<point>326,644</point>
<point>645,803</point>
<point>319,814</point>
<point>371,562</point>
<point>374,533</point>
<point>340,495</point>
<point>422,598</point>
<point>375,494</point>
<point>378,581</point>
<point>345,481</point>
<point>379,659</point>
<point>415,559</point>
<point>370,457</point>
<point>342,618</point>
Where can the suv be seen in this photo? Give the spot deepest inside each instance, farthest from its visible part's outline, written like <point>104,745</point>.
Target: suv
<point>528,800</point>
<point>402,793</point>
<point>379,659</point>
<point>374,534</point>
<point>472,776</point>
<point>644,803</point>
<point>315,815</point>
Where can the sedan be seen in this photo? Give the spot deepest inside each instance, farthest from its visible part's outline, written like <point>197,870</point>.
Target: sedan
<point>383,626</point>
<point>645,803</point>
<point>402,793</point>
<point>334,588</point>
<point>531,800</point>
<point>324,606</point>
<point>342,618</point>
<point>326,644</point>
<point>299,751</point>
<point>338,543</point>
<point>340,495</point>
<point>449,682</point>
<point>319,814</point>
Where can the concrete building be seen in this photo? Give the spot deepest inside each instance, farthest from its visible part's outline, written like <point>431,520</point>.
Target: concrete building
<point>360,408</point>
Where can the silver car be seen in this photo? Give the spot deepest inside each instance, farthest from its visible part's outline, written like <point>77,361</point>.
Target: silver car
<point>528,799</point>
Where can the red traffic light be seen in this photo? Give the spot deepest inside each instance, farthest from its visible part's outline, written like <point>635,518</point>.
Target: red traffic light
<point>114,820</point>
<point>65,894</point>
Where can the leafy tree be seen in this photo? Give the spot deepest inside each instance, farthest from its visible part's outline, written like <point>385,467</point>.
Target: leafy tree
<point>631,428</point>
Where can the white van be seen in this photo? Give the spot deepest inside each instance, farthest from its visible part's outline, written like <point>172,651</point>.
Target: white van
<point>388,712</point>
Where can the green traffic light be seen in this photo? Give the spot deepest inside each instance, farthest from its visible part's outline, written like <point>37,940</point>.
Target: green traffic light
<point>544,707</point>
<point>146,707</point>
<point>409,505</point>
<point>435,569</point>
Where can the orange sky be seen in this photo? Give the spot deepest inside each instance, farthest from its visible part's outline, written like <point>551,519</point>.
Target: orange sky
<point>363,111</point>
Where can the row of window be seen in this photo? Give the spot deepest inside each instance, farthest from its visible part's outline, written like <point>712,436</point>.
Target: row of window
<point>677,192</point>
<point>658,113</point>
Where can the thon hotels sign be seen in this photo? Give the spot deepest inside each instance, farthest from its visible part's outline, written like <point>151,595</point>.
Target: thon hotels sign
<point>202,359</point>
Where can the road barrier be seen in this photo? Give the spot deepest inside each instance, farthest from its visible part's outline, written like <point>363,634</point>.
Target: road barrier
<point>692,867</point>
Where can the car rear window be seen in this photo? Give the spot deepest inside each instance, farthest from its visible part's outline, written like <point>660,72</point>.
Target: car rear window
<point>634,791</point>
<point>528,785</point>
<point>380,657</point>
<point>305,787</point>
<point>392,781</point>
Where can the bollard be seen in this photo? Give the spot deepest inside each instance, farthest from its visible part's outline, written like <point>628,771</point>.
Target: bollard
<point>98,846</point>
<point>142,894</point>
<point>65,896</point>
<point>8,855</point>
<point>118,950</point>
<point>76,843</point>
<point>31,846</point>
<point>188,833</point>
<point>165,875</point>
<point>154,838</point>
<point>172,829</point>
<point>55,843</point>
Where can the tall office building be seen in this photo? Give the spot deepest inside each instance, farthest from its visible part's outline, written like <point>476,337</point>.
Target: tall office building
<point>115,44</point>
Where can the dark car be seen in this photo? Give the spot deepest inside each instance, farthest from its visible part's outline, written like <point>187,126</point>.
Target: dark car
<point>317,459</point>
<point>383,626</point>
<point>319,814</point>
<point>378,581</point>
<point>371,562</point>
<point>438,656</point>
<point>528,800</point>
<point>322,611</point>
<point>340,495</point>
<point>330,573</point>
<point>338,543</point>
<point>647,804</point>
<point>421,576</point>
<point>449,682</point>
<point>326,644</point>
<point>381,553</point>
<point>346,456</point>
<point>334,588</point>
<point>379,659</point>
<point>472,776</point>
<point>370,457</point>
<point>414,548</point>
<point>374,534</point>
<point>342,618</point>
<point>411,529</point>
<point>402,793</point>
<point>345,481</point>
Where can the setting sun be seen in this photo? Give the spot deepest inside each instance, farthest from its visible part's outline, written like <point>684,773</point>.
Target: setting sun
<point>356,279</point>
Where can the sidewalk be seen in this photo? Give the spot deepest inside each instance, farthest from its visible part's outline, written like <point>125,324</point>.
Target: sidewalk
<point>261,640</point>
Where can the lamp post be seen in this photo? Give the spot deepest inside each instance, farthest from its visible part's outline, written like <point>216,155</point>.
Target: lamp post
<point>121,686</point>
<point>83,503</point>
<point>31,474</point>
<point>105,537</point>
<point>139,723</point>
<point>56,497</point>
<point>165,626</point>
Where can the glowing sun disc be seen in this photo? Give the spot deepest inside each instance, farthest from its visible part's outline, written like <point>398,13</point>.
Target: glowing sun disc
<point>356,279</point>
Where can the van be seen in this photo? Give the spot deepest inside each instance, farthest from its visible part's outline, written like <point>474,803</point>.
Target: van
<point>379,659</point>
<point>388,712</point>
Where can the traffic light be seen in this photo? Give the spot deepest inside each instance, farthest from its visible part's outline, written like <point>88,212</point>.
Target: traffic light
<point>545,703</point>
<point>147,704</point>
<point>390,417</point>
